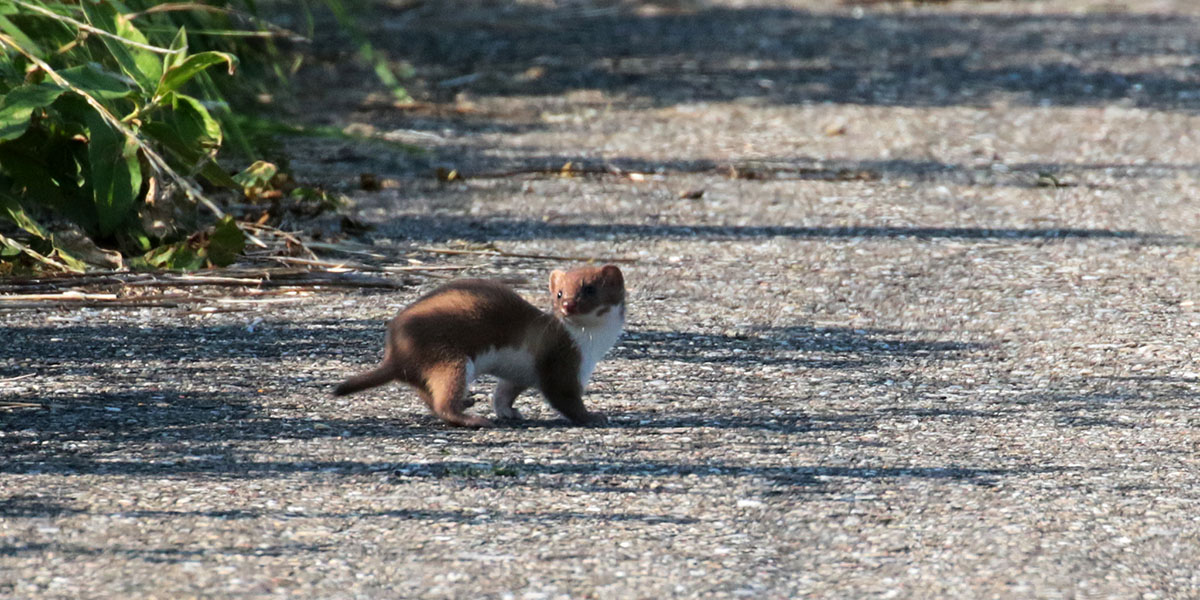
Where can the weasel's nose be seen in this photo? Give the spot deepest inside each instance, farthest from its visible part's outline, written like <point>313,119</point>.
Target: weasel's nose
<point>569,306</point>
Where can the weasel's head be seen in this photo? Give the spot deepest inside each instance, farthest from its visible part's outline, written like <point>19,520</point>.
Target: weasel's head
<point>586,296</point>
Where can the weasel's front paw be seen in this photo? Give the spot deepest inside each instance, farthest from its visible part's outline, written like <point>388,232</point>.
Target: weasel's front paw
<point>508,414</point>
<point>472,421</point>
<point>593,419</point>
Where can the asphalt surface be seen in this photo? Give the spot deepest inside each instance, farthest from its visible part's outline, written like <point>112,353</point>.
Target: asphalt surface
<point>913,305</point>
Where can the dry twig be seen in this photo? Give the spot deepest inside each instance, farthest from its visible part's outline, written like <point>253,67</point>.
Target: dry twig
<point>63,291</point>
<point>8,405</point>
<point>290,239</point>
<point>345,248</point>
<point>522,255</point>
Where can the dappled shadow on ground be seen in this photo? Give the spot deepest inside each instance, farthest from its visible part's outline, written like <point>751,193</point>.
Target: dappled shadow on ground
<point>774,56</point>
<point>32,505</point>
<point>161,410</point>
<point>787,476</point>
<point>170,395</point>
<point>1082,403</point>
<point>162,555</point>
<point>520,164</point>
<point>808,346</point>
<point>528,162</point>
<point>184,343</point>
<point>934,57</point>
<point>153,412</point>
<point>1113,402</point>
<point>448,227</point>
<point>420,514</point>
<point>509,474</point>
<point>168,555</point>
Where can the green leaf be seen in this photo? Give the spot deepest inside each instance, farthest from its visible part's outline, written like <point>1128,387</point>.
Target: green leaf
<point>187,155</point>
<point>258,175</point>
<point>11,208</point>
<point>220,248</point>
<point>188,131</point>
<point>161,255</point>
<point>140,65</point>
<point>58,258</point>
<point>181,255</point>
<point>180,43</point>
<point>19,37</point>
<point>190,67</point>
<point>194,122</point>
<point>217,176</point>
<point>34,182</point>
<point>256,179</point>
<point>163,133</point>
<point>96,82</point>
<point>18,106</point>
<point>6,251</point>
<point>73,264</point>
<point>116,174</point>
<point>226,243</point>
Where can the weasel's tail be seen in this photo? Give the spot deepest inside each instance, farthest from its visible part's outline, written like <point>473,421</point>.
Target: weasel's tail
<point>375,377</point>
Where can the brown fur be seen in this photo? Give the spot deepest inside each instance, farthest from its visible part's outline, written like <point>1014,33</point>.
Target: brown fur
<point>567,290</point>
<point>431,343</point>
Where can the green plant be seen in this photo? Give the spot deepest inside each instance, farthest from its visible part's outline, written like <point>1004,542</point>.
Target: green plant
<point>220,247</point>
<point>111,117</point>
<point>93,117</point>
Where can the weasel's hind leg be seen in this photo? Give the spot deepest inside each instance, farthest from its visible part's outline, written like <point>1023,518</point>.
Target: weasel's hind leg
<point>447,385</point>
<point>502,400</point>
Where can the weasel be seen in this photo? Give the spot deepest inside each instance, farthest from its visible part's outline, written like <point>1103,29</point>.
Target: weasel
<point>440,343</point>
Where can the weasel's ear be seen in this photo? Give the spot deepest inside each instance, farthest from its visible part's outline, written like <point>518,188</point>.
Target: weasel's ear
<point>555,277</point>
<point>613,275</point>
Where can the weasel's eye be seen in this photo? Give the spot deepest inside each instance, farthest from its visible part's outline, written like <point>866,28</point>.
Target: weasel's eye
<point>589,290</point>
<point>560,293</point>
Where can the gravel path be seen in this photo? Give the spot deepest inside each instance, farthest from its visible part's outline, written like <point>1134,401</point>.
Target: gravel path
<point>873,350</point>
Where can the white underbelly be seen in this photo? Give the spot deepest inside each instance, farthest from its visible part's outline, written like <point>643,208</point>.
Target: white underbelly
<point>511,364</point>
